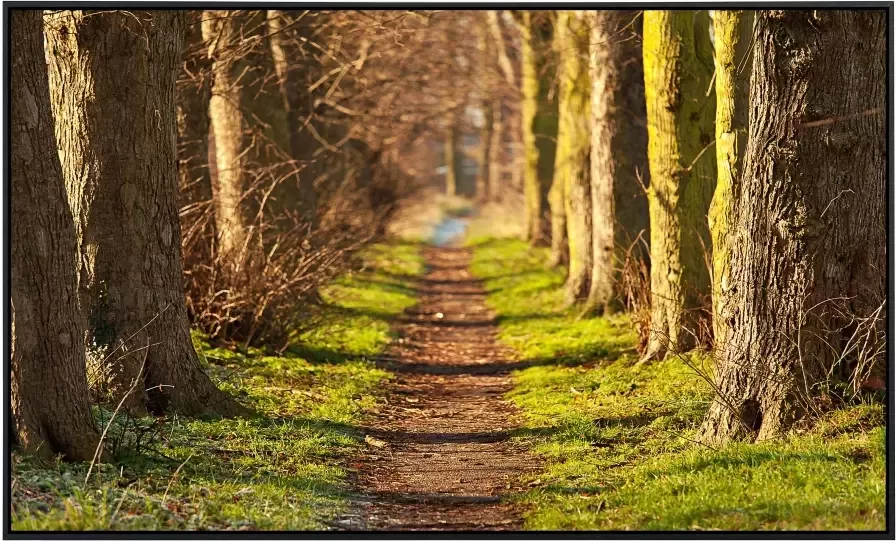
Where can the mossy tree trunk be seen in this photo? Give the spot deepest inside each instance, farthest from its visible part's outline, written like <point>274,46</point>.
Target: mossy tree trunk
<point>538,121</point>
<point>618,150</point>
<point>118,152</point>
<point>733,32</point>
<point>571,169</point>
<point>48,381</point>
<point>809,255</point>
<point>680,114</point>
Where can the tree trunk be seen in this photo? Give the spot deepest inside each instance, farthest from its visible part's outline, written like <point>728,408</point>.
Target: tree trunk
<point>494,24</point>
<point>451,187</point>
<point>533,108</point>
<point>618,151</point>
<point>48,382</point>
<point>810,253</point>
<point>193,94</point>
<point>571,170</point>
<point>484,180</point>
<point>219,32</point>
<point>733,32</point>
<point>677,73</point>
<point>117,148</point>
<point>484,170</point>
<point>497,152</point>
<point>295,102</point>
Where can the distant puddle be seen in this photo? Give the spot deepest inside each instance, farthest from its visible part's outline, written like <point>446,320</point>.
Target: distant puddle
<point>449,230</point>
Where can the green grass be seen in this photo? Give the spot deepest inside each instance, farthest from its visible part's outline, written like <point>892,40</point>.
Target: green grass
<point>279,469</point>
<point>618,442</point>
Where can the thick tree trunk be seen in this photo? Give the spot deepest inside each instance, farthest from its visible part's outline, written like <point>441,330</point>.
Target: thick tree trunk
<point>618,151</point>
<point>677,73</point>
<point>451,186</point>
<point>219,32</point>
<point>117,147</point>
<point>810,253</point>
<point>537,152</point>
<point>48,382</point>
<point>733,32</point>
<point>573,149</point>
<point>295,102</point>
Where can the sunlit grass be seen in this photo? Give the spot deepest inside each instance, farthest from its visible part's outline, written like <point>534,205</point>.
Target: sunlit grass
<point>618,442</point>
<point>281,469</point>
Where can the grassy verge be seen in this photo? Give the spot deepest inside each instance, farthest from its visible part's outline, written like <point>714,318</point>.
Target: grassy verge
<point>618,442</point>
<point>279,469</point>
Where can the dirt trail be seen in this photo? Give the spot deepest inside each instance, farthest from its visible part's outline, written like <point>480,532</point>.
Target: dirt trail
<point>447,462</point>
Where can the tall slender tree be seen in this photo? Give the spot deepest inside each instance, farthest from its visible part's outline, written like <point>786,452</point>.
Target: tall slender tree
<point>118,155</point>
<point>219,32</point>
<point>733,31</point>
<point>484,170</point>
<point>810,253</point>
<point>497,151</point>
<point>451,173</point>
<point>280,25</point>
<point>48,383</point>
<point>618,149</point>
<point>193,94</point>
<point>680,114</point>
<point>571,170</point>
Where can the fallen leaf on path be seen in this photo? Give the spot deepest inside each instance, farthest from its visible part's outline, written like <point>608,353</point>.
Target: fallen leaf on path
<point>370,440</point>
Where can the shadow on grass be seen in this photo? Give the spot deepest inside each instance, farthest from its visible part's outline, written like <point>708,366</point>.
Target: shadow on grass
<point>323,355</point>
<point>435,438</point>
<point>586,356</point>
<point>729,459</point>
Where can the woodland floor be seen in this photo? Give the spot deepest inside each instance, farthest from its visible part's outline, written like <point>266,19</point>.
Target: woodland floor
<point>441,455</point>
<point>510,411</point>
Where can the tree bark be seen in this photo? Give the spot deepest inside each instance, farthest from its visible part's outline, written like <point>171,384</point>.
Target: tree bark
<point>451,187</point>
<point>484,170</point>
<point>295,102</point>
<point>193,94</point>
<point>48,383</point>
<point>494,24</point>
<point>113,83</point>
<point>484,180</point>
<point>538,152</point>
<point>618,151</point>
<point>733,32</point>
<point>810,253</point>
<point>677,73</point>
<point>571,169</point>
<point>219,32</point>
<point>497,152</point>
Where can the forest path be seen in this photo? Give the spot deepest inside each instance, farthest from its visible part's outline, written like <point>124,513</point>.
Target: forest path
<point>442,455</point>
